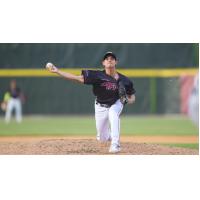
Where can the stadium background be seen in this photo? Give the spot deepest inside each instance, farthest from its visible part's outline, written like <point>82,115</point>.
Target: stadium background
<point>50,95</point>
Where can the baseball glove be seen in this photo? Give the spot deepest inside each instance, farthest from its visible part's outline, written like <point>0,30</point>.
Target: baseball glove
<point>122,93</point>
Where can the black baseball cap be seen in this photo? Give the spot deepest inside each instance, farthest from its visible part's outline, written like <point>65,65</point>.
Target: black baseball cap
<point>109,53</point>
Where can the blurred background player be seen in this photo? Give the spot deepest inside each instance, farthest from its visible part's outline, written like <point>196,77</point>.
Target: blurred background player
<point>12,101</point>
<point>193,103</point>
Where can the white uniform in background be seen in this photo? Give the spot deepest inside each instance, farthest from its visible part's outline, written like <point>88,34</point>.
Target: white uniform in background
<point>193,107</point>
<point>14,104</point>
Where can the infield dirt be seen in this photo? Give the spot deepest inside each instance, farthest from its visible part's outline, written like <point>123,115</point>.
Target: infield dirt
<point>55,145</point>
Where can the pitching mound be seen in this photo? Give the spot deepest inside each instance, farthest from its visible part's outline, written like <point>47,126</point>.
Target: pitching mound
<point>70,146</point>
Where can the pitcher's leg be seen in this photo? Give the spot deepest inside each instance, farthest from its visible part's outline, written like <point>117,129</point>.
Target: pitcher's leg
<point>114,117</point>
<point>102,123</point>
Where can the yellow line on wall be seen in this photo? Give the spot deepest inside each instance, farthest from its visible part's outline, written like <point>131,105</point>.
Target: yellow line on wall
<point>159,72</point>
<point>77,71</point>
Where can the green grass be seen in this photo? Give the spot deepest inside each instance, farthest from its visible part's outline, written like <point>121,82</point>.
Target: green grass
<point>49,126</point>
<point>191,146</point>
<point>85,125</point>
<point>158,125</point>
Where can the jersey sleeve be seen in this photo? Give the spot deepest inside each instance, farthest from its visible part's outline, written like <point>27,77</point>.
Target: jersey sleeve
<point>7,97</point>
<point>89,76</point>
<point>130,89</point>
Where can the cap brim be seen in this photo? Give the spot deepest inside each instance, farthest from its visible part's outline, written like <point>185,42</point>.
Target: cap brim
<point>109,54</point>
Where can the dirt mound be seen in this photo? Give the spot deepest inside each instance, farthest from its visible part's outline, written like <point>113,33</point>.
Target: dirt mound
<point>86,147</point>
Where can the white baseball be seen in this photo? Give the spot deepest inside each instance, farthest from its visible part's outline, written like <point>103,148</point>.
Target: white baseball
<point>49,66</point>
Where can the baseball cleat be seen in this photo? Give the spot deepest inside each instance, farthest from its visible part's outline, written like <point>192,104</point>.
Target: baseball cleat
<point>114,149</point>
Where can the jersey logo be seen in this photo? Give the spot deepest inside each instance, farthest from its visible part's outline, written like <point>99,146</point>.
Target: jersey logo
<point>109,85</point>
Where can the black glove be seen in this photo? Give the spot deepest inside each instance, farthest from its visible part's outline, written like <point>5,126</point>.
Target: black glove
<point>122,93</point>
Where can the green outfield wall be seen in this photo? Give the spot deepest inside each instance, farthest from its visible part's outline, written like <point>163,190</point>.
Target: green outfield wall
<point>79,55</point>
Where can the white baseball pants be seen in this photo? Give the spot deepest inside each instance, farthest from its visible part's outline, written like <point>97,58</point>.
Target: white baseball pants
<point>14,104</point>
<point>108,122</point>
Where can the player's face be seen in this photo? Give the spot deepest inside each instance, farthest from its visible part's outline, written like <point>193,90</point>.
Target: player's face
<point>13,84</point>
<point>109,62</point>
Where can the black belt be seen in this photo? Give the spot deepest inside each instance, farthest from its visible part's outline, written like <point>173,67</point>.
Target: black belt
<point>103,105</point>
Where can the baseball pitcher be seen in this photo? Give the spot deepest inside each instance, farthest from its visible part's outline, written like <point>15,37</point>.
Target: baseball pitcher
<point>112,91</point>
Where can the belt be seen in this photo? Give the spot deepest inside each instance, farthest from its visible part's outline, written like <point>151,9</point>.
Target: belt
<point>103,105</point>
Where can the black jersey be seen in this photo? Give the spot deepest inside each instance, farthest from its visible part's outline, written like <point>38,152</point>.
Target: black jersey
<point>105,87</point>
<point>15,93</point>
